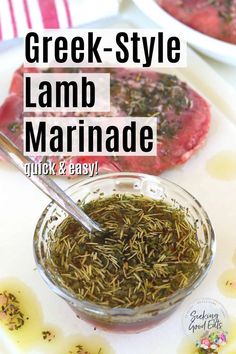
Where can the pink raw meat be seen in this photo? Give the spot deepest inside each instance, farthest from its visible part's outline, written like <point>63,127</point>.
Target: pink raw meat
<point>183,117</point>
<point>216,18</point>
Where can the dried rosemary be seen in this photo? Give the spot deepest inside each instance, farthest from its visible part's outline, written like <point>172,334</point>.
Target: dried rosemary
<point>168,94</point>
<point>48,336</point>
<point>10,313</point>
<point>79,349</point>
<point>148,251</point>
<point>225,9</point>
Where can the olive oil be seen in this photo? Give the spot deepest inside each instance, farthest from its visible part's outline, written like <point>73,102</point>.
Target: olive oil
<point>78,344</point>
<point>234,258</point>
<point>222,166</point>
<point>227,280</point>
<point>227,283</point>
<point>21,321</point>
<point>187,346</point>
<point>230,347</point>
<point>148,250</point>
<point>26,303</point>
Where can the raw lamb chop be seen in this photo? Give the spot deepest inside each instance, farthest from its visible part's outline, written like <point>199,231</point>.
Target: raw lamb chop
<point>183,117</point>
<point>216,18</point>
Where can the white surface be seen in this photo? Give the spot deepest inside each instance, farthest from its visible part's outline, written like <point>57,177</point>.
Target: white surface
<point>228,72</point>
<point>214,48</point>
<point>21,205</point>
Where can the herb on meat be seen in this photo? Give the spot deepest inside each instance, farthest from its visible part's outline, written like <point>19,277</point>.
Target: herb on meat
<point>14,127</point>
<point>148,251</point>
<point>169,94</point>
<point>224,10</point>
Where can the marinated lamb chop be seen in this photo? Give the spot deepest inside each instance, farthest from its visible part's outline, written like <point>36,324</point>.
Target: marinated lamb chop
<point>215,18</point>
<point>183,117</point>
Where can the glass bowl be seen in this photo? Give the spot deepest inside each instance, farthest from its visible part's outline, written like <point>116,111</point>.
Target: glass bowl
<point>145,316</point>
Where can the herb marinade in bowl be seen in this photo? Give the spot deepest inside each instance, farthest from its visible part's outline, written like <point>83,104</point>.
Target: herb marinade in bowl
<point>156,247</point>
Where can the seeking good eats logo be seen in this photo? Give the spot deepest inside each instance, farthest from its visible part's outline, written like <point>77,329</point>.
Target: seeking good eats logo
<point>207,322</point>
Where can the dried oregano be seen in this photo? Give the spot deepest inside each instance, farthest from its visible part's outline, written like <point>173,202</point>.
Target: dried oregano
<point>147,252</point>
<point>10,312</point>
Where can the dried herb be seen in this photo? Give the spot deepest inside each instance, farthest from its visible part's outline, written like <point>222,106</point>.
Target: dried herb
<point>225,9</point>
<point>166,95</point>
<point>79,349</point>
<point>10,313</point>
<point>14,127</point>
<point>147,252</point>
<point>141,95</point>
<point>48,336</point>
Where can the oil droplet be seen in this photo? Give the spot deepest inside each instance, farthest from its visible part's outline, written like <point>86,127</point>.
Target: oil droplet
<point>227,283</point>
<point>49,334</point>
<point>78,344</point>
<point>50,338</point>
<point>32,332</point>
<point>222,166</point>
<point>26,304</point>
<point>234,258</point>
<point>230,347</point>
<point>187,347</point>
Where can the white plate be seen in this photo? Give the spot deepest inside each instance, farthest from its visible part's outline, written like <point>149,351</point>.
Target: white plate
<point>219,50</point>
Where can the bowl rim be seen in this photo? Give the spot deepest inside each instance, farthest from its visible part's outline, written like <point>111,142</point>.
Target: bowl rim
<point>122,311</point>
<point>198,39</point>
